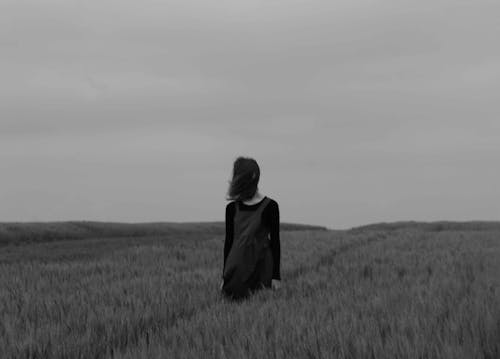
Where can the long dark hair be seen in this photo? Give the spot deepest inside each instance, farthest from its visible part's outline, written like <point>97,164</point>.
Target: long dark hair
<point>243,185</point>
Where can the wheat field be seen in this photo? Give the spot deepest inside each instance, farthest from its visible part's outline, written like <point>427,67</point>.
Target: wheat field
<point>401,291</point>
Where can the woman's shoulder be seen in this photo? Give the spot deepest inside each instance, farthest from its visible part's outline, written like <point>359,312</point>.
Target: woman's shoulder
<point>230,206</point>
<point>272,203</point>
<point>271,199</point>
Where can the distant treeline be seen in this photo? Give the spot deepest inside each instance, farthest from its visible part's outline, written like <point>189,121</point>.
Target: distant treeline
<point>432,226</point>
<point>13,233</point>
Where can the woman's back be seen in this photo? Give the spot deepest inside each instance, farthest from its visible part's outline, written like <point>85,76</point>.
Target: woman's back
<point>252,223</point>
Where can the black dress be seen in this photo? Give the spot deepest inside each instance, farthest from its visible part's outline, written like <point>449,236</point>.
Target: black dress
<point>248,254</point>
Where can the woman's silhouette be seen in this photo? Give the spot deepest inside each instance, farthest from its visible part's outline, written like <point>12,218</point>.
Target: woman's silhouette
<point>252,243</point>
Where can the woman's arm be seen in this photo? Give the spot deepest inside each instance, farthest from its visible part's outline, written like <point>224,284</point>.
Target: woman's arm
<point>228,242</point>
<point>274,227</point>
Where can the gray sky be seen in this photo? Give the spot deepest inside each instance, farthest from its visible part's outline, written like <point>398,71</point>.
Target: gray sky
<point>357,111</point>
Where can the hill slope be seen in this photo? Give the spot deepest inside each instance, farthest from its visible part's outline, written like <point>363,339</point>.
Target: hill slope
<point>432,226</point>
<point>17,233</point>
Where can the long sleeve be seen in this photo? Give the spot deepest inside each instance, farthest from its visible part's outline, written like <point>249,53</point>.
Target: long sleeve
<point>274,227</point>
<point>228,242</point>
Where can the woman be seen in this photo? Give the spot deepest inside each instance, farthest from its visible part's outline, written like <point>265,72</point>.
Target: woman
<point>252,243</point>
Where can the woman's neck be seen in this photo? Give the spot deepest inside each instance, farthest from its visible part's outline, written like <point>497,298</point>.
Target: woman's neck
<point>256,198</point>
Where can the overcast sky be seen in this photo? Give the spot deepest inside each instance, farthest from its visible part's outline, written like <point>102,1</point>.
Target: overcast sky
<point>357,111</point>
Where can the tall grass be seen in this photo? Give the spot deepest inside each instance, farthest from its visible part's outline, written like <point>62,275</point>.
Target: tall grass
<point>346,294</point>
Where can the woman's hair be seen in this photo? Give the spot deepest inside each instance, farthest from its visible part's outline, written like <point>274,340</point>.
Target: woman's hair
<point>243,185</point>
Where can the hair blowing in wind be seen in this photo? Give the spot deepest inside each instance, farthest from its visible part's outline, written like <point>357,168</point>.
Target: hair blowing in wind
<point>245,179</point>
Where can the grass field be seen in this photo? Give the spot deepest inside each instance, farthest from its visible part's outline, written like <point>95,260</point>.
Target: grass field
<point>386,291</point>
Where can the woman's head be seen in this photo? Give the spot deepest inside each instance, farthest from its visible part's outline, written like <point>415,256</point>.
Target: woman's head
<point>246,174</point>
